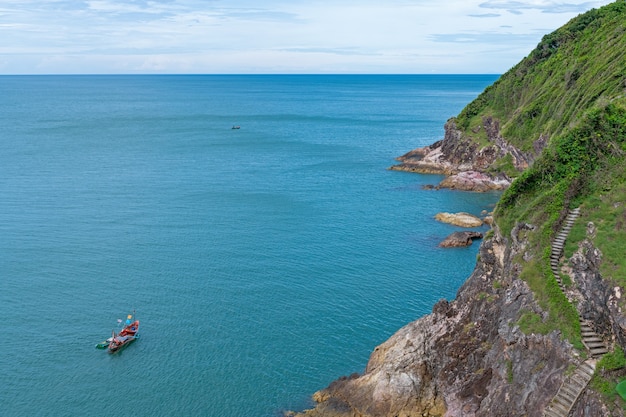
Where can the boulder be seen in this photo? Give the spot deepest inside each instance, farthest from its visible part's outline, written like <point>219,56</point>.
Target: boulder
<point>459,219</point>
<point>460,239</point>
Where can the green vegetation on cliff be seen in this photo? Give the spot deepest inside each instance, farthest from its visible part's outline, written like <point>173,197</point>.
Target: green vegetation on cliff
<point>572,70</point>
<point>570,90</point>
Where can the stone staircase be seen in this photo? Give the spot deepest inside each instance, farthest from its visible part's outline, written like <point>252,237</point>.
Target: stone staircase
<point>559,243</point>
<point>575,384</point>
<point>570,390</point>
<point>594,343</point>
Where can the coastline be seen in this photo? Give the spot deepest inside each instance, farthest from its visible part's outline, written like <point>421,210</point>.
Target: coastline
<point>431,160</point>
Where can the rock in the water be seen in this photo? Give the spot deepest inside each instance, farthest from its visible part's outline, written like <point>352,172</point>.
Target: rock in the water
<point>474,181</point>
<point>459,219</point>
<point>460,239</point>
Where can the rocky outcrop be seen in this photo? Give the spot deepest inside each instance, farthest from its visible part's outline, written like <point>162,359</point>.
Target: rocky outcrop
<point>468,358</point>
<point>459,219</point>
<point>475,181</point>
<point>468,165</point>
<point>460,239</point>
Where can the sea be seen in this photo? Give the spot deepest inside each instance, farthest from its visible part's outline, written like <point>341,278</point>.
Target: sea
<point>263,262</point>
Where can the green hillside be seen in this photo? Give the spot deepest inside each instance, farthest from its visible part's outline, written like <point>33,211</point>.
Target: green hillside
<point>572,90</point>
<point>577,67</point>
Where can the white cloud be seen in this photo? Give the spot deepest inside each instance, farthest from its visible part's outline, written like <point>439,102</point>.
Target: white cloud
<point>239,36</point>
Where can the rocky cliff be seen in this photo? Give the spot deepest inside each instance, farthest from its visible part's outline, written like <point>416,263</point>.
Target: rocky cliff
<point>468,358</point>
<point>513,342</point>
<point>468,164</point>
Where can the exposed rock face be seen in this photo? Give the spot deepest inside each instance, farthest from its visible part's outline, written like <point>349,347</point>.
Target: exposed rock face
<point>598,300</point>
<point>468,358</point>
<point>465,162</point>
<point>459,219</point>
<point>460,239</point>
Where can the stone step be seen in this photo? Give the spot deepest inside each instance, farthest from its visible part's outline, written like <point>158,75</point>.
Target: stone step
<point>592,339</point>
<point>567,394</point>
<point>583,376</point>
<point>598,352</point>
<point>560,409</point>
<point>599,349</point>
<point>588,370</point>
<point>568,389</point>
<point>576,383</point>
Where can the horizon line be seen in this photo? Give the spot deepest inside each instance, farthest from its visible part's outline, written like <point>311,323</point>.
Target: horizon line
<point>250,74</point>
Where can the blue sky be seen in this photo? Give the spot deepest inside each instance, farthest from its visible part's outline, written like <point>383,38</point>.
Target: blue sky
<point>274,36</point>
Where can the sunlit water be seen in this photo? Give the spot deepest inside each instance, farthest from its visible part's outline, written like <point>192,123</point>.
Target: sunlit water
<point>263,262</point>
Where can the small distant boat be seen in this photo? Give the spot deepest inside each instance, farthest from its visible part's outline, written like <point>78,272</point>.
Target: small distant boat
<point>235,127</point>
<point>126,336</point>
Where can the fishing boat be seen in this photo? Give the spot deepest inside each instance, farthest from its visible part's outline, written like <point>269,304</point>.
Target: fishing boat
<point>126,336</point>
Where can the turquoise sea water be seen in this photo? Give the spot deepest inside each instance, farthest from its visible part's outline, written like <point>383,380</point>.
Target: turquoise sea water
<point>263,262</point>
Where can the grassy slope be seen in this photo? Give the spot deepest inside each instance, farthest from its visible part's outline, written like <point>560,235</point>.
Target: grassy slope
<point>569,71</point>
<point>572,88</point>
